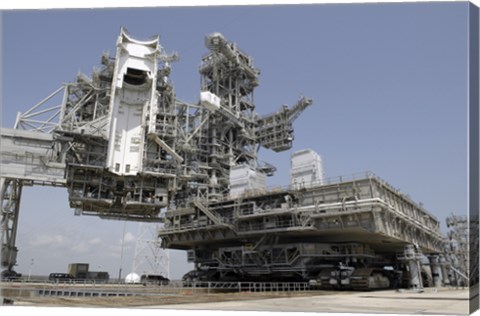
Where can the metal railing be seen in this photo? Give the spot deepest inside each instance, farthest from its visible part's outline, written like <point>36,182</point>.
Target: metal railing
<point>18,289</point>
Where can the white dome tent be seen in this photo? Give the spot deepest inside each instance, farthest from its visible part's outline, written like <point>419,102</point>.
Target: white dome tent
<point>132,278</point>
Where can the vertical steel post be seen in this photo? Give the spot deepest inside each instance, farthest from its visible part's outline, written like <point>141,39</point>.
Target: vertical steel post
<point>10,194</point>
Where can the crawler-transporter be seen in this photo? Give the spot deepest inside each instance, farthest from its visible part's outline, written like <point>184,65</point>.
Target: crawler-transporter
<point>126,148</point>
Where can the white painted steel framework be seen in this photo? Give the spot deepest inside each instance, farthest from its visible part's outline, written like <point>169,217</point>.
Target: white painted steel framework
<point>150,258</point>
<point>10,190</point>
<point>126,148</point>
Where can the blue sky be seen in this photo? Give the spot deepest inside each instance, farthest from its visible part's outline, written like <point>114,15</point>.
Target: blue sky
<point>389,84</point>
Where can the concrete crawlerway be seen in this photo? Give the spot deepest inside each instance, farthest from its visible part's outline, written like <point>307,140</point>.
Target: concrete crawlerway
<point>443,302</point>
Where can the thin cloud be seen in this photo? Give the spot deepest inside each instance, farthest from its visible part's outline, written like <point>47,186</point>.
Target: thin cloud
<point>130,238</point>
<point>47,239</point>
<point>95,241</point>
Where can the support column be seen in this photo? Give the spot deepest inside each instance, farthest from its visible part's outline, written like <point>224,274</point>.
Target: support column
<point>412,257</point>
<point>443,267</point>
<point>10,194</point>
<point>436,270</point>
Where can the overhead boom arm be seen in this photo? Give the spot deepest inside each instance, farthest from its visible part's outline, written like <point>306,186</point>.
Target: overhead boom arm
<point>275,131</point>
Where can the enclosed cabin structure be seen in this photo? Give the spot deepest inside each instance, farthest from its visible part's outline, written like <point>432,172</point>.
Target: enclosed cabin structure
<point>122,163</point>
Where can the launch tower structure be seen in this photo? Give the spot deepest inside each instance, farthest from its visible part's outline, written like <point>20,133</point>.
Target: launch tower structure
<point>126,148</point>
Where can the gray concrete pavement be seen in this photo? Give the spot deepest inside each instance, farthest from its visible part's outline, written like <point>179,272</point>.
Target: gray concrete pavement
<point>443,302</point>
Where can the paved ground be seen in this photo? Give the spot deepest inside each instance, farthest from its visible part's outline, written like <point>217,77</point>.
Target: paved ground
<point>443,302</point>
